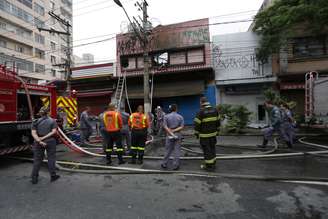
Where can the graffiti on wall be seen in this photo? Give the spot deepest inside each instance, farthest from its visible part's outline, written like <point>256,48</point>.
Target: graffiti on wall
<point>232,60</point>
<point>164,40</point>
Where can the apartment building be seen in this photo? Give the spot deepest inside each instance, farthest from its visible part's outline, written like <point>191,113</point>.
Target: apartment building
<point>35,54</point>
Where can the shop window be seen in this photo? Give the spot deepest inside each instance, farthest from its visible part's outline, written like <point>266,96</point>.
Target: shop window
<point>309,47</point>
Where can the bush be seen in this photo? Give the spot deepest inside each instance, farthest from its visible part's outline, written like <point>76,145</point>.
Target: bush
<point>236,117</point>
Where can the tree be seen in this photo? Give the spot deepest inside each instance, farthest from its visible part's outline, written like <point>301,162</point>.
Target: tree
<point>279,22</point>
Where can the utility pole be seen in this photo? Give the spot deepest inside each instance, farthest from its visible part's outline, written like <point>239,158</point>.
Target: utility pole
<point>145,26</point>
<point>142,33</point>
<point>68,62</point>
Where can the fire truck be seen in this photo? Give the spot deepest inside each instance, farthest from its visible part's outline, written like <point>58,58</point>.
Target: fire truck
<point>19,104</point>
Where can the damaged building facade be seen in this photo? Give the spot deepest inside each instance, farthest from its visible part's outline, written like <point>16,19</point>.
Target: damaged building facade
<point>180,69</point>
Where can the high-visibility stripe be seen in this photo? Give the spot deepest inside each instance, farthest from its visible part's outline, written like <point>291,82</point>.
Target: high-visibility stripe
<point>210,119</point>
<point>196,120</point>
<point>70,107</point>
<point>109,150</point>
<point>213,134</point>
<point>144,121</point>
<point>141,148</point>
<point>119,149</point>
<point>116,120</point>
<point>131,120</point>
<point>134,148</point>
<point>212,161</point>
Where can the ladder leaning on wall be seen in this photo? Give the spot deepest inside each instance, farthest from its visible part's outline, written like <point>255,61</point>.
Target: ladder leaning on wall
<point>310,77</point>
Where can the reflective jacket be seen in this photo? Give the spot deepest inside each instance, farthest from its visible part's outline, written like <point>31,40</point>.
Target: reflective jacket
<point>112,121</point>
<point>138,121</point>
<point>207,122</point>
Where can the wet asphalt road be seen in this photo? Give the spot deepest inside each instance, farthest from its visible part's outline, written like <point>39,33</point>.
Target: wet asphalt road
<point>169,196</point>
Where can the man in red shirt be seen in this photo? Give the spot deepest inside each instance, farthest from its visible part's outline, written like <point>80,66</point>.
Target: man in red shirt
<point>113,124</point>
<point>139,123</point>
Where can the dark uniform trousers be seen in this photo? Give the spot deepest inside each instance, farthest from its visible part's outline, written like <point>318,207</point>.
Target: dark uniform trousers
<point>138,143</point>
<point>114,137</point>
<point>104,135</point>
<point>38,155</point>
<point>208,146</point>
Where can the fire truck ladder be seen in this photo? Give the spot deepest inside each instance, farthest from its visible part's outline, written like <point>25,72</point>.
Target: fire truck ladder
<point>310,77</point>
<point>121,83</point>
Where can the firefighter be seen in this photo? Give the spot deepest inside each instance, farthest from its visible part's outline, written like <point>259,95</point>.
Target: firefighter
<point>85,125</point>
<point>275,123</point>
<point>173,124</point>
<point>139,124</point>
<point>287,125</point>
<point>207,124</point>
<point>113,125</point>
<point>43,132</point>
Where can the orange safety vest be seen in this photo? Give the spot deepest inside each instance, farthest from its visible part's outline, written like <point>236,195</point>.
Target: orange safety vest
<point>112,121</point>
<point>138,121</point>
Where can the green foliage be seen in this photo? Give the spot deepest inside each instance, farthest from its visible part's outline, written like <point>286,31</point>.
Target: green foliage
<point>237,117</point>
<point>273,96</point>
<point>278,23</point>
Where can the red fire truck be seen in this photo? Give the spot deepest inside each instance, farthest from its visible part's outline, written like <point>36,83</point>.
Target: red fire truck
<point>19,104</point>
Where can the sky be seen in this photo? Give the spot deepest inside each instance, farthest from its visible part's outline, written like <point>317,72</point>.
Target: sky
<point>99,20</point>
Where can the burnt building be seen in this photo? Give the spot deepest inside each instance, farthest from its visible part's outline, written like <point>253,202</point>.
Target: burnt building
<point>180,72</point>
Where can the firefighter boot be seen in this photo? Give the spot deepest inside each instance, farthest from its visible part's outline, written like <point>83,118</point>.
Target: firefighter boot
<point>140,159</point>
<point>108,159</point>
<point>264,144</point>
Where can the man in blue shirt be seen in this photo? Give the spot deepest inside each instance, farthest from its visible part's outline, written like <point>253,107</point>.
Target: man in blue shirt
<point>173,123</point>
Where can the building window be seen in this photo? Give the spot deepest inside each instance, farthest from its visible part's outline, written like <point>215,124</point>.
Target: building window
<point>177,58</point>
<point>16,11</point>
<point>39,38</point>
<point>3,25</point>
<point>39,68</point>
<point>19,48</point>
<point>39,53</point>
<point>53,72</point>
<point>39,9</point>
<point>131,61</point>
<point>38,22</point>
<point>140,62</point>
<point>53,45</point>
<point>27,3</point>
<point>3,43</point>
<point>52,6</point>
<point>309,47</point>
<point>53,60</point>
<point>195,56</point>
